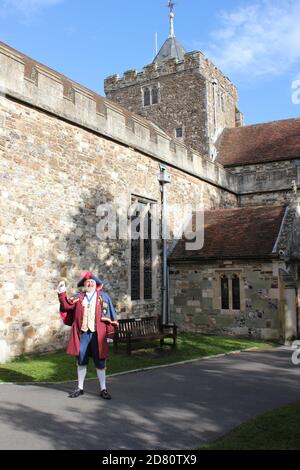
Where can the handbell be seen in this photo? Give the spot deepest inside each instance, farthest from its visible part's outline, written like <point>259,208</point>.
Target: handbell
<point>65,280</point>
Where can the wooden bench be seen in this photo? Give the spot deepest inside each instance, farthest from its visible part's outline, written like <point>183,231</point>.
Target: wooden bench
<point>149,328</point>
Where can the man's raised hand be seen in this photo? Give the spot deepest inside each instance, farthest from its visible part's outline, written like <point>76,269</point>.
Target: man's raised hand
<point>61,287</point>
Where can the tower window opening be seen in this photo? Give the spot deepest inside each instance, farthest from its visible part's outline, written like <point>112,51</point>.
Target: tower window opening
<point>147,97</point>
<point>179,132</point>
<point>150,95</point>
<point>154,95</point>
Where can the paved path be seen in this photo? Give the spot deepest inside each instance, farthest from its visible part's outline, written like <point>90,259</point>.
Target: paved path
<point>169,408</point>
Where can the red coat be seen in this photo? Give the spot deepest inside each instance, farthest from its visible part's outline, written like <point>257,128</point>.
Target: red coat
<point>103,328</point>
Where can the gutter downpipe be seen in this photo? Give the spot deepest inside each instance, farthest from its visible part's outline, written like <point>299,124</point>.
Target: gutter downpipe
<point>164,178</point>
<point>297,309</point>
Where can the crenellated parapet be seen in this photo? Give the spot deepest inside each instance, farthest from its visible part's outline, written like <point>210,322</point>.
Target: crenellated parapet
<point>195,60</point>
<point>34,84</point>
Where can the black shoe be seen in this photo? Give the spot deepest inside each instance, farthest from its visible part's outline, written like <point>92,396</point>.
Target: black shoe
<point>104,394</point>
<point>77,392</point>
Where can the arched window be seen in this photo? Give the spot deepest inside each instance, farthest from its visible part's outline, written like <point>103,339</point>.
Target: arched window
<point>236,298</point>
<point>135,260</point>
<point>225,292</point>
<point>155,95</point>
<point>148,261</point>
<point>141,251</point>
<point>147,97</point>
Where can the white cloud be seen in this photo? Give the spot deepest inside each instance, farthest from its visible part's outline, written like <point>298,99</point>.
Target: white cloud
<point>261,39</point>
<point>25,7</point>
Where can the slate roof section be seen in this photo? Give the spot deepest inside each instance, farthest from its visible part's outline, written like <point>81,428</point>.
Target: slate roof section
<point>260,143</point>
<point>240,233</point>
<point>171,49</point>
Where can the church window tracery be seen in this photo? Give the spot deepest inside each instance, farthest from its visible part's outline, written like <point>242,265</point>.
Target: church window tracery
<point>151,95</point>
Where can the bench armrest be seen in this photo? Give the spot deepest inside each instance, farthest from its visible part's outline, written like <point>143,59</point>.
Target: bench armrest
<point>171,325</point>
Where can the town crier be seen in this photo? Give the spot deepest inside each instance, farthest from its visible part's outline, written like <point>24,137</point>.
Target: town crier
<point>93,319</point>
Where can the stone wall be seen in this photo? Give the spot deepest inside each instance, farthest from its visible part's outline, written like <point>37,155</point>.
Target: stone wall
<point>63,151</point>
<point>188,98</point>
<point>222,101</point>
<point>267,183</point>
<point>195,293</point>
<point>56,168</point>
<point>34,84</point>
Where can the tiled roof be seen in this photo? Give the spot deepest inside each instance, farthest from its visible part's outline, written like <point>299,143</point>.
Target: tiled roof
<point>247,232</point>
<point>272,141</point>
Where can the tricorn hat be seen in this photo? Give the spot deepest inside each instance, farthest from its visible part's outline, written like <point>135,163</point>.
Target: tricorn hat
<point>87,276</point>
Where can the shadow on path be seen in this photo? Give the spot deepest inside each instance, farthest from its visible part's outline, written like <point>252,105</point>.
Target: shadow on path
<point>176,407</point>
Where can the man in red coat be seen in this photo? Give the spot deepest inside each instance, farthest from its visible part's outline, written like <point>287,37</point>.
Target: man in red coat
<point>93,319</point>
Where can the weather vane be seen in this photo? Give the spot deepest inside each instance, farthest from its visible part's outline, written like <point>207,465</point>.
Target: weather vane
<point>171,6</point>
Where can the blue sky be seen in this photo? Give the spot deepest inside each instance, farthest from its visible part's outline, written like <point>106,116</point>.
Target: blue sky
<point>255,43</point>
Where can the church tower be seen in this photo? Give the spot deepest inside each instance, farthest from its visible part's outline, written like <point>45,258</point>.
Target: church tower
<point>183,93</point>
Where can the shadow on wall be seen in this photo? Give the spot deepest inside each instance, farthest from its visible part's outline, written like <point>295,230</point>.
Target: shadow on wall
<point>85,251</point>
<point>72,247</point>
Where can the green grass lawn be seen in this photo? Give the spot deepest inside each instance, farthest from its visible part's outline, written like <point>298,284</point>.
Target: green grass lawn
<point>58,366</point>
<point>275,430</point>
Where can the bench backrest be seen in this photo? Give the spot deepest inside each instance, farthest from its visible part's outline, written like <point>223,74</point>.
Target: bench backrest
<point>142,327</point>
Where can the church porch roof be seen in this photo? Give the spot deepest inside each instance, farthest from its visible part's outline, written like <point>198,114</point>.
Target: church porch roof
<point>239,233</point>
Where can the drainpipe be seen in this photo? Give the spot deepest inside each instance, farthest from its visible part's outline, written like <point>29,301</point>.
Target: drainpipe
<point>297,298</point>
<point>164,178</point>
<point>297,312</point>
<point>168,296</point>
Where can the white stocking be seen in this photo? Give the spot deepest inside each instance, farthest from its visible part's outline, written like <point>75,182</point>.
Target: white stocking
<point>81,372</point>
<point>102,378</point>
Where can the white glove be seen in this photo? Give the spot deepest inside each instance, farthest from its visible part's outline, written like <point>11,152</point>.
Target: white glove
<point>61,287</point>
